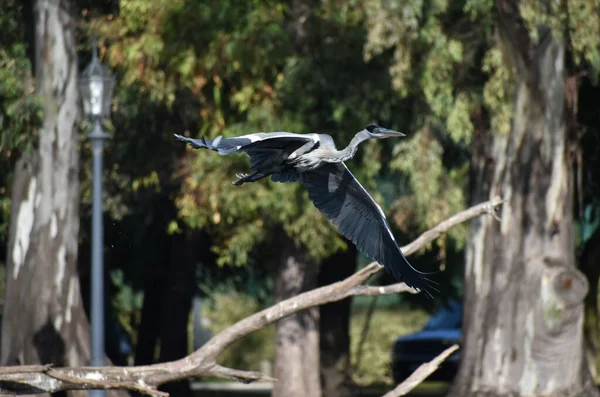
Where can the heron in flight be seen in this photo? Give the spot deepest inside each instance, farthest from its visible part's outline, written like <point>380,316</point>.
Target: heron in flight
<point>315,161</point>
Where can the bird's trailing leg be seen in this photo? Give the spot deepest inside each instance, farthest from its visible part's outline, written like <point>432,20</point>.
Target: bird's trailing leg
<point>248,178</point>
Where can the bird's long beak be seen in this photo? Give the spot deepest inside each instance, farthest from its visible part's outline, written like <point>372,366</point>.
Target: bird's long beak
<point>390,133</point>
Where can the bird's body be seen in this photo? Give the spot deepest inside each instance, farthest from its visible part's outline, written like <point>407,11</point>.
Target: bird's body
<point>315,161</point>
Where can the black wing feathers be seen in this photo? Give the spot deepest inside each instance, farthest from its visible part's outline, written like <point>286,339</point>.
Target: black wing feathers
<point>289,175</point>
<point>334,190</point>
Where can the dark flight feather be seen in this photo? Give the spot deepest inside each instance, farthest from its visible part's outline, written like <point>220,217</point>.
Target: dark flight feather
<point>334,190</point>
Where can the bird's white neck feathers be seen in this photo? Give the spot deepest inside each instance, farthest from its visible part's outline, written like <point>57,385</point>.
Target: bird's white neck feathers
<point>350,150</point>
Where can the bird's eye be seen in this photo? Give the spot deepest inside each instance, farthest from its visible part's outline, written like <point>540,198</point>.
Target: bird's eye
<point>372,128</point>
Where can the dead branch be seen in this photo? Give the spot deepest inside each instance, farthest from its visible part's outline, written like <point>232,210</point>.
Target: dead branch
<point>202,363</point>
<point>421,374</point>
<point>488,207</point>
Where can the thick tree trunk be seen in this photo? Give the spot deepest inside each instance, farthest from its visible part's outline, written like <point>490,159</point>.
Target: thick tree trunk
<point>176,306</point>
<point>590,260</point>
<point>44,319</point>
<point>297,336</point>
<point>298,14</point>
<point>523,295</point>
<point>150,320</point>
<point>336,377</point>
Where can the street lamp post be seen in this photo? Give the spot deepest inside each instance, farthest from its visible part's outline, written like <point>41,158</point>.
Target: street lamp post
<point>96,85</point>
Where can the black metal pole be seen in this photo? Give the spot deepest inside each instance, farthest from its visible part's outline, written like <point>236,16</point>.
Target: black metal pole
<point>97,137</point>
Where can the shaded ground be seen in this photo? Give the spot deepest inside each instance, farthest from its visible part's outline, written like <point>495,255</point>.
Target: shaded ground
<point>221,389</point>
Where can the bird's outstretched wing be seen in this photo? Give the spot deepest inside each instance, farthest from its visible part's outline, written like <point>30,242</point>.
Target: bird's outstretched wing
<point>334,190</point>
<point>268,151</point>
<point>250,142</point>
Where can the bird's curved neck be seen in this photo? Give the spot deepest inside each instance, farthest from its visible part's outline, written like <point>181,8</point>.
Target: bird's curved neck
<point>350,150</point>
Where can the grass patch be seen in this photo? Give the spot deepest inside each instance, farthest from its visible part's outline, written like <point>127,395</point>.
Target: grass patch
<point>227,308</point>
<point>373,365</point>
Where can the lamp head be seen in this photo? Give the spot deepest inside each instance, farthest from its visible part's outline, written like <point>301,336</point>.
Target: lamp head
<point>96,85</point>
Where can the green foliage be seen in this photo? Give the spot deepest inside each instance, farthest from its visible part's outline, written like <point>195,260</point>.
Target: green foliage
<point>247,78</point>
<point>498,90</point>
<point>583,26</point>
<point>479,9</point>
<point>20,110</point>
<point>438,193</point>
<point>127,302</point>
<point>385,327</point>
<point>578,21</point>
<point>226,307</point>
<point>433,63</point>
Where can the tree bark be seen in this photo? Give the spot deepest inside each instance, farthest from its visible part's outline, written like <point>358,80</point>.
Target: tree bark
<point>176,307</point>
<point>523,333</point>
<point>150,320</point>
<point>590,258</point>
<point>297,336</point>
<point>44,319</point>
<point>297,17</point>
<point>42,278</point>
<point>336,377</point>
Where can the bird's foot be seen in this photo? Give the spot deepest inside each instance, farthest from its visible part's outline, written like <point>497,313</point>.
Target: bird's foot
<point>241,179</point>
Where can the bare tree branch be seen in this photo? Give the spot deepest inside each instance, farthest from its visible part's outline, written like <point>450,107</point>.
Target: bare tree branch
<point>202,363</point>
<point>421,374</point>
<point>488,207</point>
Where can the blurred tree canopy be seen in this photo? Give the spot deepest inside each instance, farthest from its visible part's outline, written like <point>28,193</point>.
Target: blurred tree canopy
<point>230,68</point>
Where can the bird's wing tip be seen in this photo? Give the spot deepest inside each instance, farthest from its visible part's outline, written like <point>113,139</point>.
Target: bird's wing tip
<point>428,286</point>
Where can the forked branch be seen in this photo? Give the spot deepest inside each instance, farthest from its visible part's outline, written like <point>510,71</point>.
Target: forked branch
<point>421,374</point>
<point>203,362</point>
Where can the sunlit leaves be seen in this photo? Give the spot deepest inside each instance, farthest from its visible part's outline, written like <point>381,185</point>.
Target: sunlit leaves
<point>437,80</point>
<point>393,25</point>
<point>437,193</point>
<point>458,120</point>
<point>477,9</point>
<point>498,90</point>
<point>584,32</point>
<point>20,107</point>
<point>576,21</point>
<point>427,58</point>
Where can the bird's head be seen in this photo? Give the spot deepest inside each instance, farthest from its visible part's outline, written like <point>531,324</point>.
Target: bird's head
<point>378,132</point>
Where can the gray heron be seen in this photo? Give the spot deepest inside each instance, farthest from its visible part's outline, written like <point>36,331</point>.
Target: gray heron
<point>315,161</point>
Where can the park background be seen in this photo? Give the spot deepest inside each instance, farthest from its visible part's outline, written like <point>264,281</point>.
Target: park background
<point>496,98</point>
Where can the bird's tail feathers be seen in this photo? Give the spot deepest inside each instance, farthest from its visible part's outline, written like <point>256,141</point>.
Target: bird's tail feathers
<point>195,143</point>
<point>428,286</point>
<point>201,143</point>
<point>422,284</point>
<point>416,279</point>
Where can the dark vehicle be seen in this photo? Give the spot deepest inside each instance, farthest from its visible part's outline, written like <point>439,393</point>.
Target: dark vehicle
<point>441,331</point>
